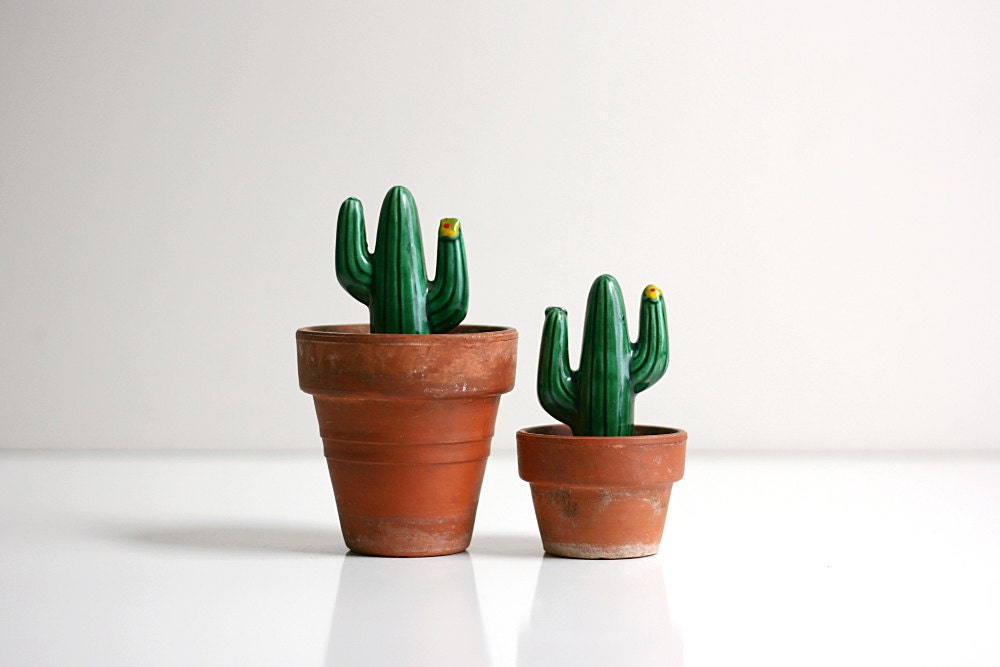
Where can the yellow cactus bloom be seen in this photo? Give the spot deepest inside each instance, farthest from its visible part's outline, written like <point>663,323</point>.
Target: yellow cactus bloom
<point>449,227</point>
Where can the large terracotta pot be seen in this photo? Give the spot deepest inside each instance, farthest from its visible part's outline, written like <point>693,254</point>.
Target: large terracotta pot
<point>406,422</point>
<point>601,497</point>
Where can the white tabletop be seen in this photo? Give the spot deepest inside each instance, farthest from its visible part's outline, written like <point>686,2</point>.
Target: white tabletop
<point>147,559</point>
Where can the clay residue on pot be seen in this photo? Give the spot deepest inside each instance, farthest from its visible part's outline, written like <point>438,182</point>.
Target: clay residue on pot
<point>408,537</point>
<point>601,551</point>
<point>563,499</point>
<point>657,504</point>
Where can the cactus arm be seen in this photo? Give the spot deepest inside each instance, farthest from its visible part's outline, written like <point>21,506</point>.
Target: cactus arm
<point>651,352</point>
<point>399,295</point>
<point>556,388</point>
<point>448,294</point>
<point>352,260</point>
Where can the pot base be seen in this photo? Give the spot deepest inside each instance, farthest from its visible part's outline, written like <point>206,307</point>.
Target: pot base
<point>406,538</point>
<point>598,523</point>
<point>600,552</point>
<point>408,510</point>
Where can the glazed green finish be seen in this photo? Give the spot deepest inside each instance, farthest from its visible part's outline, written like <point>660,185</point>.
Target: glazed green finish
<point>599,398</point>
<point>392,280</point>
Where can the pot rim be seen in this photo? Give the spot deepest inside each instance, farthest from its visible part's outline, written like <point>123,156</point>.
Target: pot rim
<point>642,434</point>
<point>347,360</point>
<point>552,456</point>
<point>359,334</point>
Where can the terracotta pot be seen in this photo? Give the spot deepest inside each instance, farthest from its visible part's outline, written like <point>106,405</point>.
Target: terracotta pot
<point>406,422</point>
<point>601,497</point>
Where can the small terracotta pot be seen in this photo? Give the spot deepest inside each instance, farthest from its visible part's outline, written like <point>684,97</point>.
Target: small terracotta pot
<point>406,422</point>
<point>601,497</point>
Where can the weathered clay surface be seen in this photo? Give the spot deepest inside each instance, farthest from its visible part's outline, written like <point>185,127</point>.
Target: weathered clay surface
<point>601,497</point>
<point>406,422</point>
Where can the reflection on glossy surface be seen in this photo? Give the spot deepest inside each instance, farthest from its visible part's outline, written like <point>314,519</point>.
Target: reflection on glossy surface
<point>600,613</point>
<point>407,611</point>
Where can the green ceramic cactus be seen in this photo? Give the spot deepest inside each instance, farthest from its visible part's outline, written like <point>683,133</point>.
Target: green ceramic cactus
<point>599,397</point>
<point>392,280</point>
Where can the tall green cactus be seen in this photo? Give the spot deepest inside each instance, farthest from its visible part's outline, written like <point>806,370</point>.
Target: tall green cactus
<point>392,280</point>
<point>599,397</point>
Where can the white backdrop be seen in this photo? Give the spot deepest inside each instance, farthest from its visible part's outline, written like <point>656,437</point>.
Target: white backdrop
<point>813,185</point>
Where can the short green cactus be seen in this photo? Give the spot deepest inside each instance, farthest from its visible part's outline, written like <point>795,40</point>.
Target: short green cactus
<point>392,280</point>
<point>599,397</point>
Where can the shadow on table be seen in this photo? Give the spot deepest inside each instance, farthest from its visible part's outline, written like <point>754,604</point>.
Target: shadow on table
<point>248,538</point>
<point>407,611</point>
<point>274,538</point>
<point>589,612</point>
